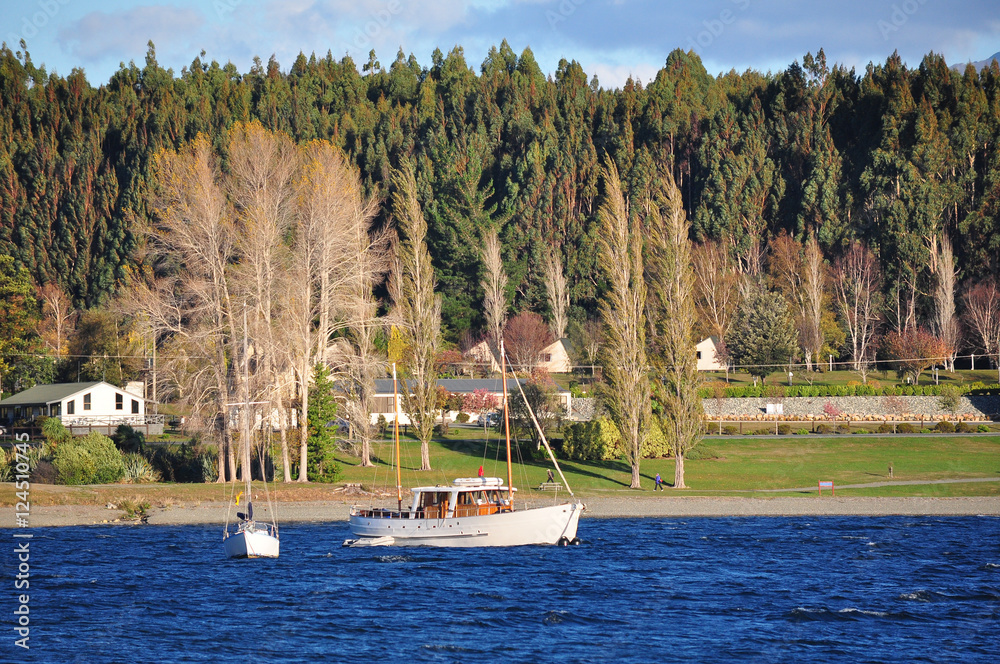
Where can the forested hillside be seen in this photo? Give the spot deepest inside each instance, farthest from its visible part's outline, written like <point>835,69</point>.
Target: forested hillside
<point>899,159</point>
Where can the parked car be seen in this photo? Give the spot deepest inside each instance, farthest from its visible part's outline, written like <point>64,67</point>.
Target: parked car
<point>494,419</point>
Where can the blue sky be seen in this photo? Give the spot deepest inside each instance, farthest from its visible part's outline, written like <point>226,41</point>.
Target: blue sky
<point>612,38</point>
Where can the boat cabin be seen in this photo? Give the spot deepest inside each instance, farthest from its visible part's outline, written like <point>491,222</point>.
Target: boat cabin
<point>465,497</point>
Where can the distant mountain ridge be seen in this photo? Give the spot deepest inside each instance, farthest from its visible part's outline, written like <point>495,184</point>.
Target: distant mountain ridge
<point>978,65</point>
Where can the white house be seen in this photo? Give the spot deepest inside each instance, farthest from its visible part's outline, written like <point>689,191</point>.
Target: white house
<point>82,407</point>
<point>554,358</point>
<point>383,398</point>
<point>707,355</point>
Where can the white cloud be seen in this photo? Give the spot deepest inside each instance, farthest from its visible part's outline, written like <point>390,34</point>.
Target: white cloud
<point>123,35</point>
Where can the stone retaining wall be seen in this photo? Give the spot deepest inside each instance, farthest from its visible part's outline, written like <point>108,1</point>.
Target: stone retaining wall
<point>859,409</point>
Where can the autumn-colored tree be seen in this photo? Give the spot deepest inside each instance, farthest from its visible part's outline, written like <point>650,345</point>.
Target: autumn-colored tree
<point>525,337</point>
<point>911,352</point>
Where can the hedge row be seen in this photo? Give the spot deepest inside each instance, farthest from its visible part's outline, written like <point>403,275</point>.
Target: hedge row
<point>849,390</point>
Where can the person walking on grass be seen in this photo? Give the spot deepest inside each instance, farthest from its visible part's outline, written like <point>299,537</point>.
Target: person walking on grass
<point>659,483</point>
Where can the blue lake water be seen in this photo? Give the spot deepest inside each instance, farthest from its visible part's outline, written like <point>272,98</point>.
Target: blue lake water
<point>827,589</point>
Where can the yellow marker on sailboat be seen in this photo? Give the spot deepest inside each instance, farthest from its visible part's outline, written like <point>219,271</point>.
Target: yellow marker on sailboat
<point>238,498</point>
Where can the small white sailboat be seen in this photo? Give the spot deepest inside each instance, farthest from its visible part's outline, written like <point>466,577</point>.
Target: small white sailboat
<point>470,512</point>
<point>250,538</point>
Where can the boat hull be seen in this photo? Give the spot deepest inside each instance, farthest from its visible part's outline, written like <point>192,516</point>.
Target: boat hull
<point>540,525</point>
<point>251,544</point>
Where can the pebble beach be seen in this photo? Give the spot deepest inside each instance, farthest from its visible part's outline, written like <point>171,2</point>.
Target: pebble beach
<point>603,506</point>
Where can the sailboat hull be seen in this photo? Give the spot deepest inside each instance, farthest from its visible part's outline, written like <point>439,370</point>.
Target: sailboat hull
<point>251,544</point>
<point>540,525</point>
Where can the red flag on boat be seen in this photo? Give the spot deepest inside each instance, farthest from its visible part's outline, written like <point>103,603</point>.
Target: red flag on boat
<point>480,471</point>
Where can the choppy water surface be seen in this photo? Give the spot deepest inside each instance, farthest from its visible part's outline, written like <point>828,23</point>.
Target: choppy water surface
<point>638,590</point>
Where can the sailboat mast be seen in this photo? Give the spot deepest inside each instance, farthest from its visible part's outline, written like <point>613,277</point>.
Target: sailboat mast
<point>395,437</point>
<point>506,424</point>
<point>246,407</point>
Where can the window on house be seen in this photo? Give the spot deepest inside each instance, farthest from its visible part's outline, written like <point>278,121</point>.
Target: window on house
<point>698,354</point>
<point>135,406</point>
<point>86,401</point>
<point>71,407</point>
<point>119,402</point>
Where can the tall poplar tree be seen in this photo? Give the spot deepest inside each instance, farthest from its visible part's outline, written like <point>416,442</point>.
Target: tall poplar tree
<point>672,321</point>
<point>419,308</point>
<point>626,370</point>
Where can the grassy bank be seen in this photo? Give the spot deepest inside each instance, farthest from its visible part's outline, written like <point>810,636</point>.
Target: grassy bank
<point>729,466</point>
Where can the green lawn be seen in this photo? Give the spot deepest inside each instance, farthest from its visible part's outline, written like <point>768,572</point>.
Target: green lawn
<point>737,464</point>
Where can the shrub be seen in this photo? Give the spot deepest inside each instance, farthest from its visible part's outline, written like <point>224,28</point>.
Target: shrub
<point>982,428</point>
<point>462,418</point>
<point>127,439</point>
<point>802,432</point>
<point>134,508</point>
<point>906,427</point>
<point>655,446</point>
<point>90,459</point>
<point>963,427</point>
<point>186,464</point>
<point>730,430</point>
<point>823,429</point>
<point>55,433</point>
<point>885,427</point>
<point>138,470</point>
<point>784,429</point>
<point>950,398</point>
<point>945,427</point>
<point>596,440</point>
<point>844,428</point>
<point>926,430</point>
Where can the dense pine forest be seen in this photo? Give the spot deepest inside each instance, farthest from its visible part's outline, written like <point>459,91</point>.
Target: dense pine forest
<point>901,161</point>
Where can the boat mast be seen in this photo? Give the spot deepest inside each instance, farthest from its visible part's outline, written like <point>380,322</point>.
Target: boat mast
<point>506,424</point>
<point>395,437</point>
<point>246,413</point>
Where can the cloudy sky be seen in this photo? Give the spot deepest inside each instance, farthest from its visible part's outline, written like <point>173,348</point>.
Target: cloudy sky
<point>612,38</point>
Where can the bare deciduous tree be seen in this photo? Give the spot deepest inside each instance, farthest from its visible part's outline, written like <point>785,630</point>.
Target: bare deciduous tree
<point>558,294</point>
<point>419,309</point>
<point>623,313</point>
<point>57,311</point>
<point>194,229</point>
<point>798,272</point>
<point>982,317</point>
<point>716,287</point>
<point>525,336</point>
<point>944,323</point>
<point>260,181</point>
<point>671,316</point>
<point>857,286</point>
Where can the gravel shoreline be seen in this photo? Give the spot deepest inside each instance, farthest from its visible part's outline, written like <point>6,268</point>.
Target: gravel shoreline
<point>597,507</point>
